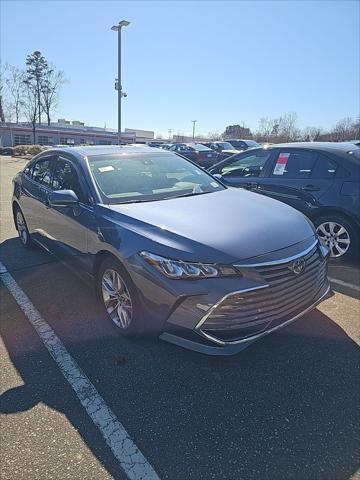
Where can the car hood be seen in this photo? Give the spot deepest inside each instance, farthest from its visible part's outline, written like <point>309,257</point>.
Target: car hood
<point>226,226</point>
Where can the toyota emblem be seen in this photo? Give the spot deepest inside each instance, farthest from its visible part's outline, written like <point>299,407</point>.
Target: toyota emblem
<point>298,266</point>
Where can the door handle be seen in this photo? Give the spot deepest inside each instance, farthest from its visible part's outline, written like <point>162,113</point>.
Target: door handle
<point>310,188</point>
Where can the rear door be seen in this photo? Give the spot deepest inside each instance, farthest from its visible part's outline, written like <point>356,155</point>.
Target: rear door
<point>35,189</point>
<point>246,169</point>
<point>300,177</point>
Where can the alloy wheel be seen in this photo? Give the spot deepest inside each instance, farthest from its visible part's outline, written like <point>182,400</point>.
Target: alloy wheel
<point>334,236</point>
<point>116,298</point>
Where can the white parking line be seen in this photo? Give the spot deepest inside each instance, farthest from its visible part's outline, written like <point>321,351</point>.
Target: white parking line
<point>132,461</point>
<point>344,284</point>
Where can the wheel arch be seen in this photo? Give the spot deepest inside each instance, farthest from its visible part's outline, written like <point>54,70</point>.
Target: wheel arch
<point>15,207</point>
<point>100,257</point>
<point>336,211</point>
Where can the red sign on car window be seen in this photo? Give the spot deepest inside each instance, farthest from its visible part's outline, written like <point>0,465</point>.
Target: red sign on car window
<point>281,162</point>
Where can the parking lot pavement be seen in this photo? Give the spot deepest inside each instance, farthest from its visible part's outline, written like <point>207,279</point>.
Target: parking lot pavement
<point>287,407</point>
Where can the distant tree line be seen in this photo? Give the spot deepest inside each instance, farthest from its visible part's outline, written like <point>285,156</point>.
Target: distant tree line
<point>285,129</point>
<point>30,93</point>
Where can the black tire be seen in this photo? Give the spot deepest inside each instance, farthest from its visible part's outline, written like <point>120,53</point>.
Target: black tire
<point>351,233</point>
<point>21,227</point>
<point>136,325</point>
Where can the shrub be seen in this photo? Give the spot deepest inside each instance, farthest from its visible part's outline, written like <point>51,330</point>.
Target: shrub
<point>34,149</point>
<point>21,149</point>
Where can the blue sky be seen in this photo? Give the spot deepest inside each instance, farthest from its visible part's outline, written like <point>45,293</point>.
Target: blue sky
<point>217,62</point>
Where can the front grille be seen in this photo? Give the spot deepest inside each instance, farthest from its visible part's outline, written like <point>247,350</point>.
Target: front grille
<point>244,314</point>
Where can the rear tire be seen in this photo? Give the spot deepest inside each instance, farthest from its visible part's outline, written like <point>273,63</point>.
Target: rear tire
<point>21,226</point>
<point>339,235</point>
<point>120,297</point>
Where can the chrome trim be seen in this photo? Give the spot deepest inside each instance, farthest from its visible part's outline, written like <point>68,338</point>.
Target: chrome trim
<point>266,332</point>
<point>278,262</point>
<point>209,312</point>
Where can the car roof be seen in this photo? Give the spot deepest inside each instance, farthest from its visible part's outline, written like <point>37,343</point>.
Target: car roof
<point>104,149</point>
<point>335,147</point>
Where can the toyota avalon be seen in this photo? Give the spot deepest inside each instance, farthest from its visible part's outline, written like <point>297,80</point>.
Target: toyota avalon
<point>172,251</point>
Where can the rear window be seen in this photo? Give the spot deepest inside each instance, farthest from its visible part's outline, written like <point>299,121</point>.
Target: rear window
<point>199,148</point>
<point>252,143</point>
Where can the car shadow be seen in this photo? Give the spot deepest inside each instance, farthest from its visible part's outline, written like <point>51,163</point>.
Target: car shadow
<point>287,407</point>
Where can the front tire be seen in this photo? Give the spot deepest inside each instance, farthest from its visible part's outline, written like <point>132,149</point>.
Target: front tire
<point>21,226</point>
<point>338,234</point>
<point>120,297</point>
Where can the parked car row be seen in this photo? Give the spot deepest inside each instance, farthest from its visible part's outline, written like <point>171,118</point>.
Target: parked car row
<point>203,156</point>
<point>176,252</point>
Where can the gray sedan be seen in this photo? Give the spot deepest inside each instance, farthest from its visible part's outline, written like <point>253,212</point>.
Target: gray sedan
<point>172,251</point>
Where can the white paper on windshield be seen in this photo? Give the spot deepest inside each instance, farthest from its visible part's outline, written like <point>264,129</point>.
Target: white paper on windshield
<point>281,163</point>
<point>106,169</point>
<point>214,184</point>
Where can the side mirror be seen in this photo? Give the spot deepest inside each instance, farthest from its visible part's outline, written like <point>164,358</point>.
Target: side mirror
<point>63,198</point>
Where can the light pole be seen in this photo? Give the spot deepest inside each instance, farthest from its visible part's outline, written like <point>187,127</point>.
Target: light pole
<point>193,122</point>
<point>118,86</point>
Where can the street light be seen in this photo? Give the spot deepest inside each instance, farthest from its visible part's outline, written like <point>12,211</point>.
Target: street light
<point>118,86</point>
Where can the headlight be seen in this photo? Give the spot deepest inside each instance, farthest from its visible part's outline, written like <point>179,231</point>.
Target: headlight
<point>178,269</point>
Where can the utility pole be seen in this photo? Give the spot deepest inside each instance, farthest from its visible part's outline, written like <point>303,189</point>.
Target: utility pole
<point>193,122</point>
<point>170,132</point>
<point>118,86</point>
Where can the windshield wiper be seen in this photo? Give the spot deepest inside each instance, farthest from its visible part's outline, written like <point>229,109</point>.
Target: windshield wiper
<point>132,201</point>
<point>185,195</point>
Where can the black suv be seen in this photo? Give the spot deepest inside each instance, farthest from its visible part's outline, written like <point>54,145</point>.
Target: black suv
<point>322,180</point>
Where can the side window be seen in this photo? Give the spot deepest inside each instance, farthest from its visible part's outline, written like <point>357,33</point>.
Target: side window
<point>246,166</point>
<point>28,170</point>
<point>294,164</point>
<point>66,178</point>
<point>324,168</point>
<point>42,172</point>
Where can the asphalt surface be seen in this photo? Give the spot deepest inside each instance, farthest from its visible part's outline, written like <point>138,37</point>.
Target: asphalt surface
<point>285,408</point>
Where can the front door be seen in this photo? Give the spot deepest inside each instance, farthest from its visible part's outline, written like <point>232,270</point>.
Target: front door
<point>67,226</point>
<point>246,170</point>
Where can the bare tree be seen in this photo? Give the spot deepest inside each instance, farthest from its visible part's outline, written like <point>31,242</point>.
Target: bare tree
<point>311,134</point>
<point>2,91</point>
<point>267,127</point>
<point>50,86</point>
<point>15,86</point>
<point>288,127</point>
<point>345,129</point>
<point>31,104</point>
<point>214,136</point>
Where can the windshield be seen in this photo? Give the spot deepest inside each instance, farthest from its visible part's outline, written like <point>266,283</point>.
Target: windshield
<point>225,145</point>
<point>144,177</point>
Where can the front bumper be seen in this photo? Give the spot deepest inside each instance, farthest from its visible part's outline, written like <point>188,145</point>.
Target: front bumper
<point>272,296</point>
